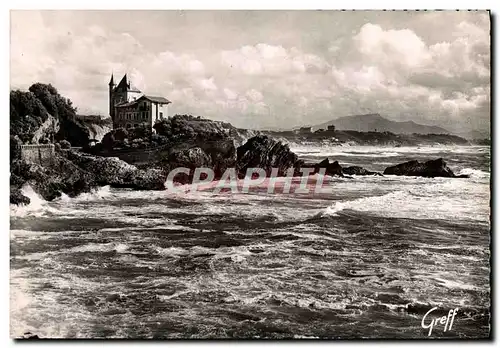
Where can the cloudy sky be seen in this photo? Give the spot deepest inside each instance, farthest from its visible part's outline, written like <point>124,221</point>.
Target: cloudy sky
<point>266,69</point>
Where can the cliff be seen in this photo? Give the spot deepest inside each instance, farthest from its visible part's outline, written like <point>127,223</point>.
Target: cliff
<point>42,115</point>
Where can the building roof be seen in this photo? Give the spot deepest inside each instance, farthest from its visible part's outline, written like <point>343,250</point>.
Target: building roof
<point>123,82</point>
<point>159,100</point>
<point>125,104</point>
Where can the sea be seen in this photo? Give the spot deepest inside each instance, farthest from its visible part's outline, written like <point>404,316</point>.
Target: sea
<point>375,257</point>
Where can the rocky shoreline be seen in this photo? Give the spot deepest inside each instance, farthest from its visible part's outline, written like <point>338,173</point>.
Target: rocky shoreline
<point>73,172</point>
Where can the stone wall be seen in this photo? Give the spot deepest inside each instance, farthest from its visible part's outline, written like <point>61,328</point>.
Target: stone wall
<point>42,154</point>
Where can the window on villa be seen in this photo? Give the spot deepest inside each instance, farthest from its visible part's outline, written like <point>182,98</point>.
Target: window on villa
<point>161,114</point>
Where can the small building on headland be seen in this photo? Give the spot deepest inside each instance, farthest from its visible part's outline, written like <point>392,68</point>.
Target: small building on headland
<point>331,128</point>
<point>129,107</point>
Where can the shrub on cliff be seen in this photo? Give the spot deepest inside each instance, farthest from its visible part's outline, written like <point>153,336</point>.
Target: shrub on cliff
<point>183,127</point>
<point>15,148</point>
<point>27,113</point>
<point>132,138</point>
<point>30,109</point>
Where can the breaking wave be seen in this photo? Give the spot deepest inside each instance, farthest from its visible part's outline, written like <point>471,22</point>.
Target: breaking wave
<point>474,173</point>
<point>429,203</point>
<point>37,203</point>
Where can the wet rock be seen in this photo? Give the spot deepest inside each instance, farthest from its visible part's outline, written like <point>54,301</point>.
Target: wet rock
<point>190,158</point>
<point>356,170</point>
<point>429,169</point>
<point>50,182</point>
<point>117,173</point>
<point>264,152</point>
<point>17,197</point>
<point>331,168</point>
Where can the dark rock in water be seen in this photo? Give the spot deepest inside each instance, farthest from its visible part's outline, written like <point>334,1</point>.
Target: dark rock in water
<point>150,179</point>
<point>73,173</point>
<point>117,173</point>
<point>216,154</point>
<point>222,154</point>
<point>191,158</point>
<point>264,152</point>
<point>429,169</point>
<point>17,197</point>
<point>356,170</point>
<point>331,168</point>
<point>16,180</point>
<point>50,182</point>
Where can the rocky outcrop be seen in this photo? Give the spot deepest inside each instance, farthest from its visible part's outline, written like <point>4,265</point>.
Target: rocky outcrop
<point>264,152</point>
<point>356,170</point>
<point>49,182</point>
<point>73,173</point>
<point>332,168</point>
<point>117,173</point>
<point>216,154</point>
<point>17,197</point>
<point>42,115</point>
<point>429,169</point>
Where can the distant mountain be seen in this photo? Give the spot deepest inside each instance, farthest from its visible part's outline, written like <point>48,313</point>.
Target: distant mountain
<point>375,122</point>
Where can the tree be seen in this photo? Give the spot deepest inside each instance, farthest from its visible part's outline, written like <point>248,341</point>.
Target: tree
<point>15,148</point>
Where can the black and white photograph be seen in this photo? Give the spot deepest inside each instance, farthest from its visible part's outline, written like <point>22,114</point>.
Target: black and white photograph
<point>250,174</point>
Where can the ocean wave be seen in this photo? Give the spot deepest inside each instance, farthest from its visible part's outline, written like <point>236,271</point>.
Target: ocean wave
<point>474,173</point>
<point>435,201</point>
<point>313,152</point>
<point>39,207</point>
<point>99,247</point>
<point>349,154</point>
<point>103,192</point>
<point>36,207</point>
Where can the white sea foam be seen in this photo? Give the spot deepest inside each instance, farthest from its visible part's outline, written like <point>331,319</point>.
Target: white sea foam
<point>36,207</point>
<point>474,173</point>
<point>389,150</point>
<point>448,199</point>
<point>103,192</point>
<point>100,247</point>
